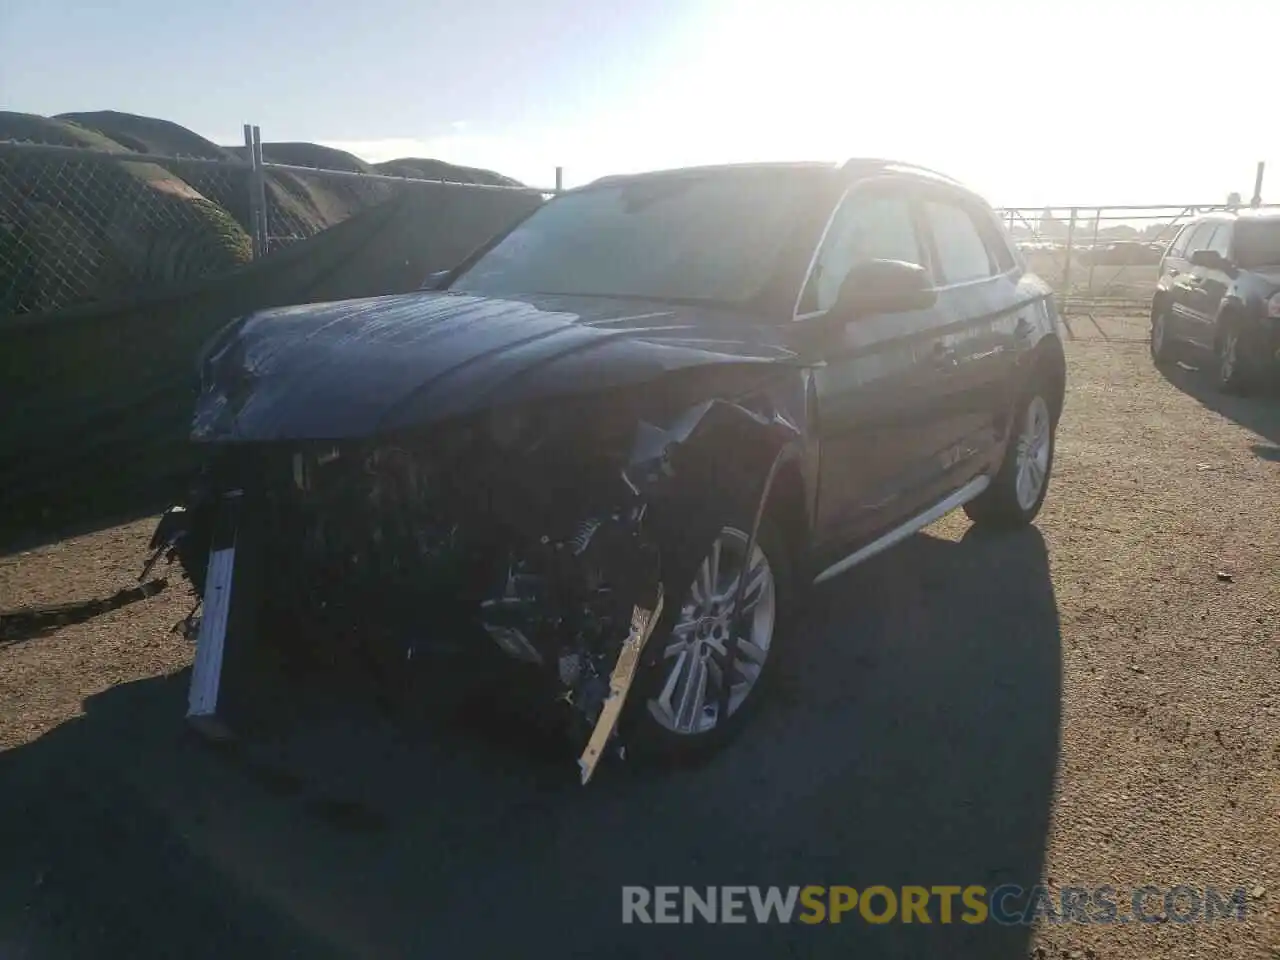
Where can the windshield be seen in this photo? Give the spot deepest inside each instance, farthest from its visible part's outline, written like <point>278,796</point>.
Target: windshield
<point>1257,243</point>
<point>713,237</point>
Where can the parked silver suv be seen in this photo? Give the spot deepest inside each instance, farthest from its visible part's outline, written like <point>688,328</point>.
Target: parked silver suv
<point>1219,293</point>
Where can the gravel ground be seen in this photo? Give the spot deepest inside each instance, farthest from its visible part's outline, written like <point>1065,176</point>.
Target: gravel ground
<point>1095,701</point>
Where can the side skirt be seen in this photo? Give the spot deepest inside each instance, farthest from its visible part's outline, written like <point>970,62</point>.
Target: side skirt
<point>895,536</point>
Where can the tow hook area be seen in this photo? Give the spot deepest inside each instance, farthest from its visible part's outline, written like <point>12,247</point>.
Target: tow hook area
<point>164,540</point>
<point>624,673</point>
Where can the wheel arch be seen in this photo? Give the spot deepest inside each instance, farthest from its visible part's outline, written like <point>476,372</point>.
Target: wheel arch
<point>1047,365</point>
<point>787,504</point>
<point>1232,310</point>
<point>1162,300</point>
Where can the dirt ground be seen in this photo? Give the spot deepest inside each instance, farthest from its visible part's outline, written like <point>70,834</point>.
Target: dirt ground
<point>1095,701</point>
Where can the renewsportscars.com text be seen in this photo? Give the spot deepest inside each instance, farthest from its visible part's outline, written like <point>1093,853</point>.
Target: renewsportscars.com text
<point>1008,904</point>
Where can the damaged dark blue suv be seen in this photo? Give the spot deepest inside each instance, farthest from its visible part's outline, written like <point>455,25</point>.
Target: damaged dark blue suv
<point>617,444</point>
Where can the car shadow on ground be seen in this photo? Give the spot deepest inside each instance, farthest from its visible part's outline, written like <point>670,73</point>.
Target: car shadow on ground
<point>913,739</point>
<point>1258,412</point>
<point>33,528</point>
<point>22,532</point>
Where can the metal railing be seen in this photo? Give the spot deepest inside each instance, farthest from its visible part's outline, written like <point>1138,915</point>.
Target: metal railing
<point>1102,258</point>
<point>81,225</point>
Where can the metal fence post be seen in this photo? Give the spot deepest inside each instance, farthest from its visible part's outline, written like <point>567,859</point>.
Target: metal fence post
<point>260,191</point>
<point>1093,250</point>
<point>1066,270</point>
<point>559,179</point>
<point>1257,185</point>
<point>255,215</point>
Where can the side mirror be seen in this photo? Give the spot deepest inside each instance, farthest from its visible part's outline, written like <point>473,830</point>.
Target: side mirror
<point>884,286</point>
<point>1210,260</point>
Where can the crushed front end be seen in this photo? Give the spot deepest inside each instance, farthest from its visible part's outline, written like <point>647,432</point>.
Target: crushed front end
<point>539,531</point>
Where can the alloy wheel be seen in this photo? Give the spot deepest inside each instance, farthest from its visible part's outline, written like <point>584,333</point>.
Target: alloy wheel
<point>1032,453</point>
<point>1229,356</point>
<point>696,658</point>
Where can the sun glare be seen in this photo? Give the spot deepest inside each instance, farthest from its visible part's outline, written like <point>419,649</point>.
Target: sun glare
<point>1042,102</point>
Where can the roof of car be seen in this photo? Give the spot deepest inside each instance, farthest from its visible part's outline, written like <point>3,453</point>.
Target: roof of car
<point>855,168</point>
<point>1269,213</point>
<point>870,166</point>
<point>1248,214</point>
<point>798,166</point>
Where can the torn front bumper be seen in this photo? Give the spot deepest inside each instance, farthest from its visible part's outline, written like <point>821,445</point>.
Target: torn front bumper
<point>211,638</point>
<point>227,614</point>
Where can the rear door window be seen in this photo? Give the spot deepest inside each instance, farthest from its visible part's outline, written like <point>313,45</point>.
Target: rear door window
<point>997,242</point>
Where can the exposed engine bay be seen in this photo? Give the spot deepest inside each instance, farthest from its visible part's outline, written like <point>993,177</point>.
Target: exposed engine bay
<point>548,535</point>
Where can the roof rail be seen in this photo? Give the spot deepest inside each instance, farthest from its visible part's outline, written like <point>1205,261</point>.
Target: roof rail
<point>710,168</point>
<point>855,163</point>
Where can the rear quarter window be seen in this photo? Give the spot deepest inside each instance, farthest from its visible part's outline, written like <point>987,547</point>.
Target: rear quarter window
<point>997,241</point>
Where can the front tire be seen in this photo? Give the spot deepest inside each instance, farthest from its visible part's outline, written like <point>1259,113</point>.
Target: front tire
<point>679,710</point>
<point>1018,489</point>
<point>1163,349</point>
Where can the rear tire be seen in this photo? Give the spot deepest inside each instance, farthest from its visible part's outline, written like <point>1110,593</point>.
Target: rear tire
<point>1018,489</point>
<point>1233,373</point>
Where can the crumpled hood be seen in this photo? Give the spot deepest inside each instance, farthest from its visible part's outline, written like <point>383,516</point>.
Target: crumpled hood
<point>359,367</point>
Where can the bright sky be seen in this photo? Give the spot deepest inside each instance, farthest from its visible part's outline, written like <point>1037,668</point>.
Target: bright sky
<point>1029,101</point>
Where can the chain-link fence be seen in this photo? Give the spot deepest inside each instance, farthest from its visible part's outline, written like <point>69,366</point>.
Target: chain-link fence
<point>79,225</point>
<point>1101,259</point>
<point>296,194</point>
<point>82,225</point>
